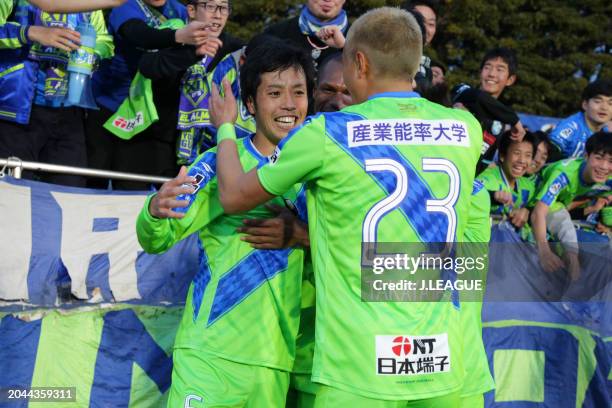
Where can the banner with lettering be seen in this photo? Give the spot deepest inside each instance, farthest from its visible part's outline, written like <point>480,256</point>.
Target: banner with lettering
<point>85,313</point>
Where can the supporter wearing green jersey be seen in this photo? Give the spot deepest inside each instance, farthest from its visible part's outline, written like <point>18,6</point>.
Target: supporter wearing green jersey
<point>392,168</point>
<point>563,182</point>
<point>476,239</point>
<point>510,191</point>
<point>236,342</point>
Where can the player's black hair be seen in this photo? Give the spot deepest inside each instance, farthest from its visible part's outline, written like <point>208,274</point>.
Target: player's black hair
<point>411,4</point>
<point>506,54</point>
<point>334,56</point>
<point>599,87</point>
<point>271,56</point>
<point>506,141</point>
<point>599,143</point>
<point>541,137</point>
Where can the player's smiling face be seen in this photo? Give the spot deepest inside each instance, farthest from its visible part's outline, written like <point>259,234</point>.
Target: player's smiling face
<point>539,160</point>
<point>495,76</point>
<point>598,167</point>
<point>215,19</point>
<point>281,103</point>
<point>517,159</point>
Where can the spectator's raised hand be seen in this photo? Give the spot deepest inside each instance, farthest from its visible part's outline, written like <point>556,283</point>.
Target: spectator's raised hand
<point>194,33</point>
<point>209,47</point>
<point>163,203</point>
<point>223,109</point>
<point>58,37</point>
<point>517,132</point>
<point>519,217</point>
<point>332,36</point>
<point>283,231</point>
<point>503,197</point>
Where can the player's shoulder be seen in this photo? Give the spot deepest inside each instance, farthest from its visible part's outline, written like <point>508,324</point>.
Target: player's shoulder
<point>444,112</point>
<point>477,187</point>
<point>568,126</point>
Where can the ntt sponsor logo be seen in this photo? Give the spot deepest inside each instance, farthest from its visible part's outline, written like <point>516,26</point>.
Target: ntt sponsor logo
<point>412,355</point>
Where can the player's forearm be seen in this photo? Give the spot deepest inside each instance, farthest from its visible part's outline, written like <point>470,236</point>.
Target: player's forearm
<point>538,222</point>
<point>230,174</point>
<point>154,235</point>
<point>75,6</point>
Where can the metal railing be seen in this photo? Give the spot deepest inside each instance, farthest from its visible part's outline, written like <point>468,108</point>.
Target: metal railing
<point>16,166</point>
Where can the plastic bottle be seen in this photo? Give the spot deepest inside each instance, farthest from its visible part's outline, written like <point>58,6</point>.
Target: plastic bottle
<point>80,68</point>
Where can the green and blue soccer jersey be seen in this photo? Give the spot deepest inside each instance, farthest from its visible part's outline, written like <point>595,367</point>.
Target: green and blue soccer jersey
<point>243,304</point>
<point>563,182</point>
<point>523,192</point>
<point>395,168</point>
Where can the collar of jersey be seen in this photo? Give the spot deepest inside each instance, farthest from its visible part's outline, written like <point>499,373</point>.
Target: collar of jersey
<point>248,144</point>
<point>395,95</point>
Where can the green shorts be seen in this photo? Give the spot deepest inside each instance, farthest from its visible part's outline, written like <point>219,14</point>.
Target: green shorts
<point>201,380</point>
<point>333,397</point>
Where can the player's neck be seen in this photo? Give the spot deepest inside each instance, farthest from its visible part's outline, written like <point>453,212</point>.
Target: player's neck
<point>263,145</point>
<point>388,85</point>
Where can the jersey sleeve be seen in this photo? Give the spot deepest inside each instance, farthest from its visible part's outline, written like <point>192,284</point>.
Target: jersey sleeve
<point>105,47</point>
<point>489,180</point>
<point>157,235</point>
<point>123,13</point>
<point>564,137</point>
<point>12,34</point>
<point>478,228</point>
<point>553,185</point>
<point>298,158</point>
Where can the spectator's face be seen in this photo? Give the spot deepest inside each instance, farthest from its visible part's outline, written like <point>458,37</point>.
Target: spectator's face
<point>517,159</point>
<point>598,110</point>
<point>331,94</point>
<point>281,103</point>
<point>598,167</point>
<point>437,76</point>
<point>211,12</point>
<point>156,3</point>
<point>539,160</point>
<point>325,10</point>
<point>495,76</point>
<point>429,18</point>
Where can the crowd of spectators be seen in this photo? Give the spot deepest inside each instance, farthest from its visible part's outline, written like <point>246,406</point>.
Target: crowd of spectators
<point>157,60</point>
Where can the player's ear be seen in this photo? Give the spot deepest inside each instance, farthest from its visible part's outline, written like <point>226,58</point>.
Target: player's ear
<point>511,80</point>
<point>585,103</point>
<point>250,104</point>
<point>361,64</point>
<point>191,11</point>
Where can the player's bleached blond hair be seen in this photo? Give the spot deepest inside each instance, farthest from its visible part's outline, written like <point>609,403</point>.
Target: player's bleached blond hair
<point>390,38</point>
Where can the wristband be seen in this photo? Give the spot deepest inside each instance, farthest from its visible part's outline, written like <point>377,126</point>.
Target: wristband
<point>226,132</point>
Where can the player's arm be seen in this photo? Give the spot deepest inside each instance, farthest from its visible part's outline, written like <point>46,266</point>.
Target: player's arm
<point>159,226</point>
<point>75,6</point>
<point>285,230</point>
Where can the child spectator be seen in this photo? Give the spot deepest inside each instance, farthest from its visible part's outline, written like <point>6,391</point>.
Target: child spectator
<point>571,134</point>
<point>497,71</point>
<point>563,182</point>
<point>542,153</point>
<point>34,53</point>
<point>509,190</point>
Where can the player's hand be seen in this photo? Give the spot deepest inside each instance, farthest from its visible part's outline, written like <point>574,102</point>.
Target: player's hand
<point>58,37</point>
<point>549,261</point>
<point>332,36</point>
<point>194,33</point>
<point>223,109</point>
<point>519,217</point>
<point>602,229</point>
<point>600,203</point>
<point>503,197</point>
<point>285,230</point>
<point>163,203</point>
<point>517,132</point>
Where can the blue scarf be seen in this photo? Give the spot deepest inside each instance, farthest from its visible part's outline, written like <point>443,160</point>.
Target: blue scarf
<point>309,24</point>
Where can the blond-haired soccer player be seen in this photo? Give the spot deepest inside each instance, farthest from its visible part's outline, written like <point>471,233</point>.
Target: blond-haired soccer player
<point>391,168</point>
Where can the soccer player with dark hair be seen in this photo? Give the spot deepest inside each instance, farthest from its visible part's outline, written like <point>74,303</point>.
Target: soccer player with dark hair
<point>236,342</point>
